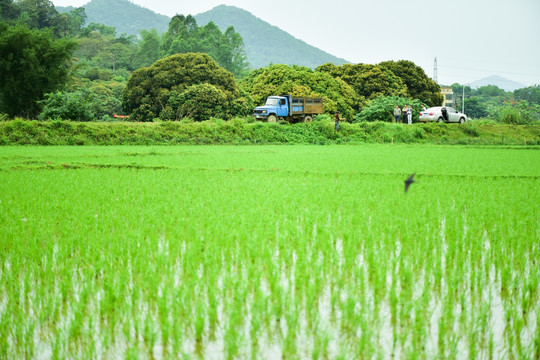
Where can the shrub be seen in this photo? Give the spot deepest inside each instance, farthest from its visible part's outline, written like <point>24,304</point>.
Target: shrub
<point>240,131</point>
<point>199,102</point>
<point>509,115</point>
<point>76,106</point>
<point>521,113</point>
<point>470,129</point>
<point>382,108</point>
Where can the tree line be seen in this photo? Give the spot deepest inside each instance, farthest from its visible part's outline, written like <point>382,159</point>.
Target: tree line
<point>54,66</point>
<point>522,106</point>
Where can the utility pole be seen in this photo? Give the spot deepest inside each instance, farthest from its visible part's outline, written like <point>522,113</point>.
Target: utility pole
<point>435,71</point>
<point>462,98</point>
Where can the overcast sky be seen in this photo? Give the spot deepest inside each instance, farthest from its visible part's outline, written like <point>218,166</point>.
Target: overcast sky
<point>471,39</point>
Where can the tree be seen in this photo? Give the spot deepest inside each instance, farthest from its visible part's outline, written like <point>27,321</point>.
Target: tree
<point>475,107</point>
<point>32,63</point>
<point>75,20</point>
<point>490,91</point>
<point>41,14</point>
<point>458,89</point>
<point>8,11</point>
<point>93,28</point>
<point>185,36</point>
<point>148,49</point>
<point>530,94</point>
<point>419,85</point>
<point>369,81</point>
<point>237,63</point>
<point>181,29</point>
<point>148,91</point>
<point>98,46</point>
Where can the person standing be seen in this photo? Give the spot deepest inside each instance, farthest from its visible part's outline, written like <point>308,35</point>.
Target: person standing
<point>397,114</point>
<point>337,119</point>
<point>409,115</point>
<point>404,112</point>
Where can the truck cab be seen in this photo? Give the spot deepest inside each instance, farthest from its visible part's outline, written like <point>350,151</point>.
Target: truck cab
<point>275,106</point>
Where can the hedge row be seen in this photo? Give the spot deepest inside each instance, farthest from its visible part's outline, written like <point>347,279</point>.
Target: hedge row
<point>241,131</point>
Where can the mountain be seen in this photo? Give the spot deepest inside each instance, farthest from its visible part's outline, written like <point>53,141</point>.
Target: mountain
<point>127,17</point>
<point>264,43</point>
<point>500,82</point>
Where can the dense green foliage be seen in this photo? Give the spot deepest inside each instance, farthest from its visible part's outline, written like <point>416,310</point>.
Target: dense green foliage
<point>8,10</point>
<point>382,109</point>
<point>419,85</point>
<point>74,106</point>
<point>99,49</point>
<point>519,107</point>
<point>149,90</point>
<point>41,14</point>
<point>369,81</point>
<point>32,63</point>
<point>381,87</point>
<point>308,252</point>
<point>198,102</point>
<point>148,49</point>
<point>246,131</point>
<point>518,114</point>
<point>530,94</point>
<point>184,36</point>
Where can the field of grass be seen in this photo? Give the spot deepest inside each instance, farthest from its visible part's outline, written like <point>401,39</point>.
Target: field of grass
<point>222,252</point>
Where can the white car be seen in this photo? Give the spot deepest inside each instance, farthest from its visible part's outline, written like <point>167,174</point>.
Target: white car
<point>441,113</point>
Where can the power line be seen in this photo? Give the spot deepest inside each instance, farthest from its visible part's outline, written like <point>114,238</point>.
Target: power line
<point>489,71</point>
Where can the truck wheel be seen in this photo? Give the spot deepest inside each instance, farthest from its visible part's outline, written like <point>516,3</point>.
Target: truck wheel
<point>272,118</point>
<point>308,119</point>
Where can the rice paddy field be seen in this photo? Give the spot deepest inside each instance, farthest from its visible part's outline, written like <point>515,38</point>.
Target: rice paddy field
<point>269,252</point>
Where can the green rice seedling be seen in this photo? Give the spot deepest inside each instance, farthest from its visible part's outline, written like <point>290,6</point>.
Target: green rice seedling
<point>141,251</point>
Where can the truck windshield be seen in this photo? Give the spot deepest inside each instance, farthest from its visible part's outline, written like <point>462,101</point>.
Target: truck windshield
<point>271,102</point>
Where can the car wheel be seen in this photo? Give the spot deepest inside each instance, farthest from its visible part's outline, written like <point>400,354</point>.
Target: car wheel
<point>308,119</point>
<point>272,118</point>
<point>440,120</point>
<point>461,120</point>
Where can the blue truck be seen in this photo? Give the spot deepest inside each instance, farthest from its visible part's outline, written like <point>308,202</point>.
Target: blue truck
<point>288,108</point>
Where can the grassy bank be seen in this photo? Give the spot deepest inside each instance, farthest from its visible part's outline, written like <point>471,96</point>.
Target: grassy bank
<point>241,131</point>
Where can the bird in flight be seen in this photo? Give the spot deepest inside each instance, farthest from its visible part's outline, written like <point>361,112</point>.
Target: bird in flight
<point>409,181</point>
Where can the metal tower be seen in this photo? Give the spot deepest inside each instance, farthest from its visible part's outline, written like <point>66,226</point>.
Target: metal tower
<point>435,71</point>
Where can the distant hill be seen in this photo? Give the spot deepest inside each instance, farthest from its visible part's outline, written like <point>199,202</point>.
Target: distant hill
<point>127,17</point>
<point>500,82</point>
<point>265,43</point>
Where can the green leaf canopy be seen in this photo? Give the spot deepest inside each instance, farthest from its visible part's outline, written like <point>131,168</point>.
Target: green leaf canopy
<point>32,63</point>
<point>149,89</point>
